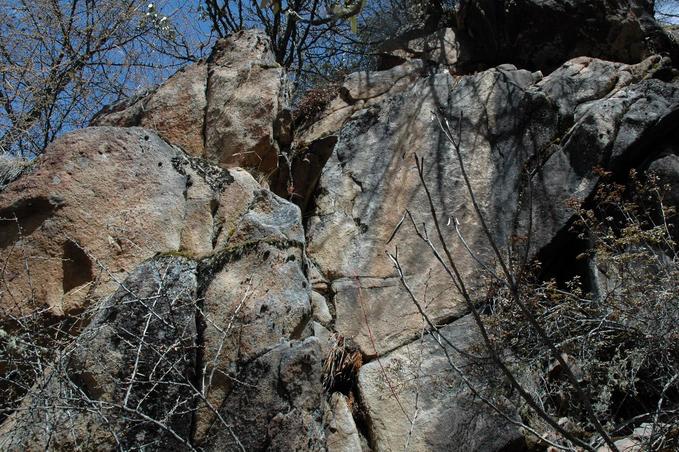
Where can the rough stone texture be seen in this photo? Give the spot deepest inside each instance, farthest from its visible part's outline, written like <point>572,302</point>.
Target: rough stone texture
<point>320,310</point>
<point>215,202</point>
<point>253,304</point>
<point>275,403</point>
<point>244,95</point>
<point>340,429</point>
<point>227,362</point>
<point>514,126</point>
<point>313,144</point>
<point>11,168</point>
<point>100,201</point>
<point>175,110</point>
<point>441,47</point>
<point>667,170</point>
<point>617,132</point>
<point>127,379</point>
<point>223,109</point>
<point>425,388</point>
<point>256,293</point>
<point>542,34</point>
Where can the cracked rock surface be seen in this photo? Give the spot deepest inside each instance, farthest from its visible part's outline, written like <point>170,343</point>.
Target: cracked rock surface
<point>187,306</point>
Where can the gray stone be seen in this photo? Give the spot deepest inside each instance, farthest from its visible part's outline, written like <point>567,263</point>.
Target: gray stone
<point>666,168</point>
<point>414,397</point>
<point>340,429</point>
<point>228,109</point>
<point>514,127</point>
<point>255,296</point>
<point>275,403</point>
<point>319,307</point>
<point>128,378</point>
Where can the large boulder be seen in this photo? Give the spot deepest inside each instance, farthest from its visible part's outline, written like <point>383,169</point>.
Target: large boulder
<point>255,294</point>
<point>223,109</point>
<point>423,397</point>
<point>275,404</point>
<point>297,176</point>
<point>166,363</point>
<point>128,379</point>
<point>245,93</point>
<point>542,34</point>
<point>97,203</point>
<point>529,145</point>
<point>175,110</point>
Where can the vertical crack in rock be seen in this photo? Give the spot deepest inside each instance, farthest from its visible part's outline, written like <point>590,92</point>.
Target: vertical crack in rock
<point>202,278</point>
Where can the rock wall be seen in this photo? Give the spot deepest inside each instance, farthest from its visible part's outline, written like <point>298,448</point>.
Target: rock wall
<point>184,302</point>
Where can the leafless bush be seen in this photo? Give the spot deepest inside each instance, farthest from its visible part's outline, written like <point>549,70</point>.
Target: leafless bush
<point>61,61</point>
<point>604,362</point>
<point>621,334</point>
<point>313,102</point>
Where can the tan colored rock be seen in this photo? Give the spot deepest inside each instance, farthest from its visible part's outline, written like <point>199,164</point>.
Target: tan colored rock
<point>244,97</point>
<point>340,429</point>
<point>361,89</point>
<point>319,307</point>
<point>413,397</point>
<point>562,126</point>
<point>100,201</point>
<point>230,109</point>
<point>256,294</point>
<point>215,202</point>
<point>371,179</point>
<point>175,110</point>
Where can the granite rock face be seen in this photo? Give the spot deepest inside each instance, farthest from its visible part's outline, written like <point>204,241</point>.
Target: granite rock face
<point>100,201</point>
<point>520,137</point>
<point>128,378</point>
<point>244,97</point>
<point>419,397</point>
<point>183,305</point>
<point>222,109</point>
<point>175,110</point>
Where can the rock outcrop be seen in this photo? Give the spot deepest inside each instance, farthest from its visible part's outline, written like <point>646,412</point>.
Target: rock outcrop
<point>233,308</point>
<point>184,305</point>
<point>415,396</point>
<point>223,109</point>
<point>99,202</point>
<point>128,379</point>
<point>528,145</point>
<point>541,35</point>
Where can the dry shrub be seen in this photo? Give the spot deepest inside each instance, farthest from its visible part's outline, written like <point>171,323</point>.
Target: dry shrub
<point>617,326</point>
<point>313,102</point>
